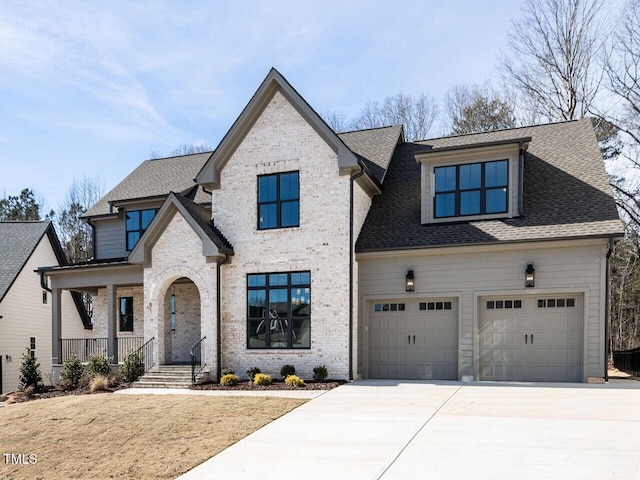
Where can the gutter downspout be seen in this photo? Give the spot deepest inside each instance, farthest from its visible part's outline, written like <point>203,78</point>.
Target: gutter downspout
<point>520,177</point>
<point>218,320</point>
<point>351,248</point>
<point>43,282</point>
<point>606,312</point>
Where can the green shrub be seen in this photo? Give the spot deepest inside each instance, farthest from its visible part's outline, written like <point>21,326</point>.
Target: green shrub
<point>72,371</point>
<point>98,365</point>
<point>262,379</point>
<point>294,381</point>
<point>287,370</point>
<point>229,380</point>
<point>228,371</point>
<point>320,373</point>
<point>133,367</point>
<point>252,372</point>
<point>29,373</point>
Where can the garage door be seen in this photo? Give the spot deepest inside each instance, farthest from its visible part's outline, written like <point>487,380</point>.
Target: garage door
<point>531,339</point>
<point>414,340</point>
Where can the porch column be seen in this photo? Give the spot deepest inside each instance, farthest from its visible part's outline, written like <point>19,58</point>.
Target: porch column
<point>56,325</point>
<point>112,323</point>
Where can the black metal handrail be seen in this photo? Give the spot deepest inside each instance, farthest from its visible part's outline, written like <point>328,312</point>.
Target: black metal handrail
<point>196,360</point>
<point>145,352</point>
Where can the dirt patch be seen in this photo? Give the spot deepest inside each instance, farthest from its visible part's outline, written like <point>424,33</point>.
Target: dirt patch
<point>52,392</point>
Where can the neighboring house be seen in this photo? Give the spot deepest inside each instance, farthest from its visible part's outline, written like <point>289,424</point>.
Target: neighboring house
<point>481,256</point>
<point>25,301</point>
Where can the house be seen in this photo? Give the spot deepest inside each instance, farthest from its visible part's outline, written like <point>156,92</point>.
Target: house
<point>480,256</point>
<point>26,302</point>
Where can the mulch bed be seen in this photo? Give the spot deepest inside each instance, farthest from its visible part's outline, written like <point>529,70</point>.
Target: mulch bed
<point>51,392</point>
<point>276,385</point>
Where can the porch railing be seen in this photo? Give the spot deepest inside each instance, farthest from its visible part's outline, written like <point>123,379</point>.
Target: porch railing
<point>146,353</point>
<point>87,347</point>
<point>196,360</point>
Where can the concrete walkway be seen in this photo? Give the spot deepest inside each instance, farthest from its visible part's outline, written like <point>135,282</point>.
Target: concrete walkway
<point>446,430</point>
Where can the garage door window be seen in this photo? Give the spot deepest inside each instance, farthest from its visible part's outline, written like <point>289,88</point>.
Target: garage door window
<point>501,304</point>
<point>435,306</point>
<point>389,307</point>
<point>556,303</point>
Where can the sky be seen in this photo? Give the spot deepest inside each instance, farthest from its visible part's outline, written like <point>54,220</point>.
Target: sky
<point>90,89</point>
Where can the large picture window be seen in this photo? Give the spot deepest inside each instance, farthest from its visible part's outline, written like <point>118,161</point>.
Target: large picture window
<point>126,314</point>
<point>136,223</point>
<point>279,310</point>
<point>471,189</point>
<point>278,200</point>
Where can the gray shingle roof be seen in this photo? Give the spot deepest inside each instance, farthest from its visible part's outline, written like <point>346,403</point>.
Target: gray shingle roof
<point>566,194</point>
<point>375,146</point>
<point>202,216</point>
<point>156,177</point>
<point>18,240</point>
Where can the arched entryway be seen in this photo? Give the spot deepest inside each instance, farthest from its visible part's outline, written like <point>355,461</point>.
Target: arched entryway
<point>182,321</point>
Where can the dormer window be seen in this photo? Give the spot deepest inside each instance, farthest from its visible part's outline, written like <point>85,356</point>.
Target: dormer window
<point>278,200</point>
<point>471,189</point>
<point>471,182</point>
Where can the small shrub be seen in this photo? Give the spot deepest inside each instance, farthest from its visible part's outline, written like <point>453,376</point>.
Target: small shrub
<point>98,365</point>
<point>29,391</point>
<point>29,373</point>
<point>252,372</point>
<point>99,383</point>
<point>320,373</point>
<point>287,370</point>
<point>294,381</point>
<point>72,371</point>
<point>228,371</point>
<point>262,379</point>
<point>115,380</point>
<point>132,368</point>
<point>229,380</point>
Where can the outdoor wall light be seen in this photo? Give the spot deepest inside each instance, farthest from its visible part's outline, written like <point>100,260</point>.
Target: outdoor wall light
<point>409,286</point>
<point>530,276</point>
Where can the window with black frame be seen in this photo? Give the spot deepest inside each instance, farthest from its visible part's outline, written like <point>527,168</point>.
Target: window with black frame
<point>471,189</point>
<point>136,223</point>
<point>279,310</point>
<point>278,200</point>
<point>126,314</point>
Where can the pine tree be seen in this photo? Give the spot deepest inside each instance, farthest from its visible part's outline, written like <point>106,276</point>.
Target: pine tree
<point>29,371</point>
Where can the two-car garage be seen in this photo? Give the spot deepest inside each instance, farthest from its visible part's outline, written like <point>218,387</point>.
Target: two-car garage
<point>519,339</point>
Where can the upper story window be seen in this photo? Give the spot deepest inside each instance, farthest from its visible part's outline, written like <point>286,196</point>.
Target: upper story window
<point>136,223</point>
<point>471,189</point>
<point>278,200</point>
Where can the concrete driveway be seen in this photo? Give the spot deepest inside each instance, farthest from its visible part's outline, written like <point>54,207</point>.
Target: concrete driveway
<point>446,430</point>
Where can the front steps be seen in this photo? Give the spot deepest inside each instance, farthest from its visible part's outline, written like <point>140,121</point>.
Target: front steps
<point>169,376</point>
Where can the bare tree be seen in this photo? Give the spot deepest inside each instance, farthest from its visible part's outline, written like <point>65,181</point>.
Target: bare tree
<point>474,108</point>
<point>75,235</point>
<point>182,149</point>
<point>553,63</point>
<point>336,120</point>
<point>416,114</point>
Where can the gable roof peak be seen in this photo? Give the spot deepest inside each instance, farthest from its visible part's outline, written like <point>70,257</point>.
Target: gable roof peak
<point>209,175</point>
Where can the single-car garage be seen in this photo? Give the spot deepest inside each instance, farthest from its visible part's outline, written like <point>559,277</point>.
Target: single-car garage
<point>531,339</point>
<point>414,340</point>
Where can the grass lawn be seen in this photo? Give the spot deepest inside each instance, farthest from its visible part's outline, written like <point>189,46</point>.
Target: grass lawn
<point>127,436</point>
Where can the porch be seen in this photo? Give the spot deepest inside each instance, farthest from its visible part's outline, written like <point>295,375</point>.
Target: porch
<point>84,348</point>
